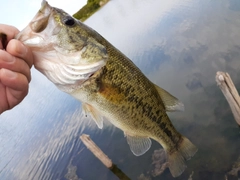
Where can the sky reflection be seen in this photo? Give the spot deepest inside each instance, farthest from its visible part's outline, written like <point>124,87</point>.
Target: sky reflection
<point>179,45</point>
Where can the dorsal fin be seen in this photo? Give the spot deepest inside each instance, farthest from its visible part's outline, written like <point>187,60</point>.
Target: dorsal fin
<point>170,102</point>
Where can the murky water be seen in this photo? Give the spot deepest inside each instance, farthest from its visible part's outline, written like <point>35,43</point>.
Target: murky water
<point>179,45</point>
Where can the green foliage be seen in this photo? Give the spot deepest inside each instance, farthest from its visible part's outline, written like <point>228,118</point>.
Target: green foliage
<point>86,11</point>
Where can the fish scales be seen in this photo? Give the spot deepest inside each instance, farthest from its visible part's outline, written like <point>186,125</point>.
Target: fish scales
<point>133,88</point>
<point>79,61</point>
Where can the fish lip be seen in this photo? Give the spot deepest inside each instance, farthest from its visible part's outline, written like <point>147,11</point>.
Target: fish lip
<point>43,3</point>
<point>32,29</point>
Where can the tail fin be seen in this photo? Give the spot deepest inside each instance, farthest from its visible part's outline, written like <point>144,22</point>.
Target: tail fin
<point>177,159</point>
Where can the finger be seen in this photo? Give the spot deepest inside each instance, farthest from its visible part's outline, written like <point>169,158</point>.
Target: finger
<point>10,31</point>
<point>13,80</point>
<point>16,48</point>
<point>16,86</point>
<point>15,64</point>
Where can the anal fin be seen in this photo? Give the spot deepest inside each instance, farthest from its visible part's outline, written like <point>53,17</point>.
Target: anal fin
<point>138,145</point>
<point>171,103</point>
<point>96,116</point>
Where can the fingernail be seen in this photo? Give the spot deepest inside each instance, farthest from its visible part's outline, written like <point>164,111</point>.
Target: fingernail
<point>8,73</point>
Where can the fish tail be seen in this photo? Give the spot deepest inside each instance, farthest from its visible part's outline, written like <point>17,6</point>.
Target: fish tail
<point>177,158</point>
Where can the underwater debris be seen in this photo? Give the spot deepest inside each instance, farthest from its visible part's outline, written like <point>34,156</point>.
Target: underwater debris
<point>191,175</point>
<point>143,177</point>
<point>235,169</point>
<point>159,162</point>
<point>72,172</point>
<point>225,83</point>
<point>194,82</point>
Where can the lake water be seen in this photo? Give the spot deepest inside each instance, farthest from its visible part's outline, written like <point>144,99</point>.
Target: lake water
<point>179,45</point>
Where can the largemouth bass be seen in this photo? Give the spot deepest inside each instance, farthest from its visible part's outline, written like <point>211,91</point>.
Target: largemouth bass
<point>82,63</point>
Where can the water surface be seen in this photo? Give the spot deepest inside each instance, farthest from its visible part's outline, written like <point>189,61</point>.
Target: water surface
<point>179,45</point>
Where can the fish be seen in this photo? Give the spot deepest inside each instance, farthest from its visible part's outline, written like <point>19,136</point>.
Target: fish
<point>80,62</point>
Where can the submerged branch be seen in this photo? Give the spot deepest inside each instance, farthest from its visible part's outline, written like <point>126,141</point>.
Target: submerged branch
<point>225,83</point>
<point>96,151</point>
<point>103,157</point>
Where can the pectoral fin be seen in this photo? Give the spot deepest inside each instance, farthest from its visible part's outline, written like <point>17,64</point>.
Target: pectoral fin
<point>96,116</point>
<point>138,145</point>
<point>170,102</point>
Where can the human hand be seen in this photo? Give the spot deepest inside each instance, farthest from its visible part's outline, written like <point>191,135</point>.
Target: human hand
<point>15,63</point>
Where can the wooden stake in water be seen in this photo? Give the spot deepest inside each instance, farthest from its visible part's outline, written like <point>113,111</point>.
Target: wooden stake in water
<point>103,157</point>
<point>225,83</point>
<point>96,151</point>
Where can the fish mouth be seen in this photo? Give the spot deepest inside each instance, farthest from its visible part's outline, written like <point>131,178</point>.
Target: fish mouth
<point>62,62</point>
<point>34,35</point>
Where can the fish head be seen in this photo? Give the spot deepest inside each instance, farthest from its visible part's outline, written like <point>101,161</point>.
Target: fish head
<point>65,50</point>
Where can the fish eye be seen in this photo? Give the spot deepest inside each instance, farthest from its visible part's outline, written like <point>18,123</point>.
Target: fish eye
<point>69,21</point>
